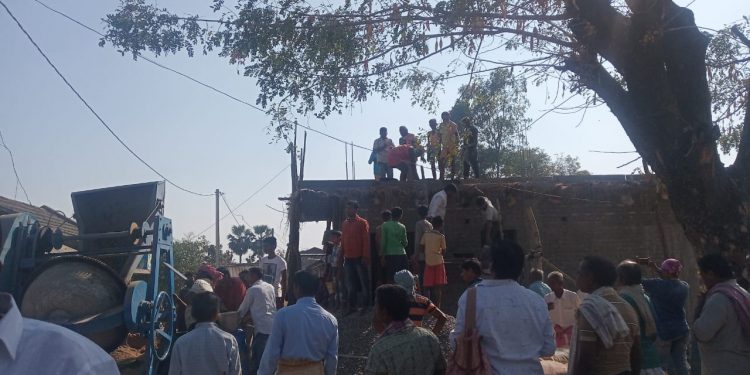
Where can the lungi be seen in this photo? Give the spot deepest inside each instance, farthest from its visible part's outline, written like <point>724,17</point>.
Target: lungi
<point>300,367</point>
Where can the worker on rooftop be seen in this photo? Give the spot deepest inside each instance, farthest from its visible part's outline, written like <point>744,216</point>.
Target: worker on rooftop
<point>434,147</point>
<point>379,156</point>
<point>470,151</point>
<point>449,141</point>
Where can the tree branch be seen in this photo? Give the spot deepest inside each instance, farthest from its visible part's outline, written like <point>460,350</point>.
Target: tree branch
<point>742,161</point>
<point>737,33</point>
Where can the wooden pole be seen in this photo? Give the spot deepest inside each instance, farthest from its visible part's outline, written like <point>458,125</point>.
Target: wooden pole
<point>302,160</point>
<point>218,235</point>
<point>292,256</point>
<point>354,171</point>
<point>346,160</point>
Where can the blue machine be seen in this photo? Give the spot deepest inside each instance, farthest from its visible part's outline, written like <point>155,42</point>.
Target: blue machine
<point>115,277</point>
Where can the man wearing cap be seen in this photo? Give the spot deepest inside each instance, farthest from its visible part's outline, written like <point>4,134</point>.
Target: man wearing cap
<point>669,294</point>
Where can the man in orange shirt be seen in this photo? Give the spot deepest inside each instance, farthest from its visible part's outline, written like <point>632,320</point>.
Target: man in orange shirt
<point>355,256</point>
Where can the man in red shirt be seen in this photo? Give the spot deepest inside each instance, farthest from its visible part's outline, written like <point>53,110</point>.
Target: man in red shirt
<point>355,256</point>
<point>231,290</point>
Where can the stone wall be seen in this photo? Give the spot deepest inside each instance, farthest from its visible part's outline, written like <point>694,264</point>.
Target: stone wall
<point>617,217</point>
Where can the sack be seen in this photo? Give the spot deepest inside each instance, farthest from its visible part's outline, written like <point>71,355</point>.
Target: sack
<point>468,359</point>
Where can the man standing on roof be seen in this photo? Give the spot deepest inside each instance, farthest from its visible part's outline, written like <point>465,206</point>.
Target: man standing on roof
<point>433,148</point>
<point>355,256</point>
<point>380,148</point>
<point>470,152</point>
<point>449,140</point>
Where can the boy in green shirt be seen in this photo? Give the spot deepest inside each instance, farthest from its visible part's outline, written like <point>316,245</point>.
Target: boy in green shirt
<point>393,245</point>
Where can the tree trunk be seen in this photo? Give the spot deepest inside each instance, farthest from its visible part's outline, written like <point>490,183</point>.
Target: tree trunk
<point>665,109</point>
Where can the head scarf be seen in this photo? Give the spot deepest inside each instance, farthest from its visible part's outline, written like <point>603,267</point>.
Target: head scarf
<point>405,279</point>
<point>209,270</point>
<point>671,266</point>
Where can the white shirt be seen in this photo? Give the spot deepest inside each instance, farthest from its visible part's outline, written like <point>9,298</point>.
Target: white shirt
<point>490,213</point>
<point>564,309</point>
<point>260,301</point>
<point>207,349</point>
<point>29,346</point>
<point>438,204</point>
<point>514,326</point>
<point>272,269</point>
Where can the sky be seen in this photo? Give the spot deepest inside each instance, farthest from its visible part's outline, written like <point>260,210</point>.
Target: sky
<point>202,140</point>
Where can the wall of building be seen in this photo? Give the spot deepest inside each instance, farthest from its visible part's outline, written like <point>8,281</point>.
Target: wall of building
<point>617,217</point>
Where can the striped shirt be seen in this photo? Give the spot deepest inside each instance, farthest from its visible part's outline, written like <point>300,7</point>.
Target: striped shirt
<point>616,359</point>
<point>420,307</point>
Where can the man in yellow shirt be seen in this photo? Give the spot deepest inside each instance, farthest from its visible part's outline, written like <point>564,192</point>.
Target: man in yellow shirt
<point>449,140</point>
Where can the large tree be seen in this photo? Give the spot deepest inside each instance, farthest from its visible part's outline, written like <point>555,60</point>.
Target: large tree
<point>240,240</point>
<point>645,59</point>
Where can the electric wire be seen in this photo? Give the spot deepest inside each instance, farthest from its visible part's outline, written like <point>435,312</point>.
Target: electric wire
<point>247,199</point>
<point>318,131</point>
<point>15,170</point>
<point>229,208</point>
<point>90,108</point>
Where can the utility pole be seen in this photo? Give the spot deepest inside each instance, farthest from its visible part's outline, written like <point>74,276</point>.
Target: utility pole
<point>354,171</point>
<point>218,236</point>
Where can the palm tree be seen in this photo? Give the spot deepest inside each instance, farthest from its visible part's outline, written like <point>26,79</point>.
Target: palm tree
<point>260,232</point>
<point>240,240</point>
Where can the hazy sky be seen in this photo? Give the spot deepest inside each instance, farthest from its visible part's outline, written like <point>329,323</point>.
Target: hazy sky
<point>203,140</point>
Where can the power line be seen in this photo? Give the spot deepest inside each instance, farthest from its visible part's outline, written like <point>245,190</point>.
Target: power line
<point>155,62</point>
<point>229,208</point>
<point>246,199</point>
<point>300,125</point>
<point>15,171</point>
<point>91,109</point>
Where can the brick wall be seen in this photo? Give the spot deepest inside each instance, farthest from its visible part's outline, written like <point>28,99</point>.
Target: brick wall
<point>617,217</point>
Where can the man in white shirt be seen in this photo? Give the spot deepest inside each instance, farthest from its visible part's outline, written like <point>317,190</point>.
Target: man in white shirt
<point>274,270</point>
<point>207,349</point>
<point>29,346</point>
<point>439,201</point>
<point>511,320</point>
<point>562,305</point>
<point>260,303</point>
<point>491,219</point>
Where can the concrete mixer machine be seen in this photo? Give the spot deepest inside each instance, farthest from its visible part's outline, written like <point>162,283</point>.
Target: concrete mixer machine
<point>115,277</point>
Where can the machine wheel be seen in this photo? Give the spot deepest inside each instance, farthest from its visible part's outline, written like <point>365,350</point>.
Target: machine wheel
<point>162,326</point>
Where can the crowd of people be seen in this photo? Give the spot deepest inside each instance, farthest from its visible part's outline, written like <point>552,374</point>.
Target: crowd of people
<point>447,144</point>
<point>616,322</point>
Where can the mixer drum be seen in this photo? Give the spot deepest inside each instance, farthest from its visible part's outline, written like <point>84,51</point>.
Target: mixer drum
<point>75,289</point>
